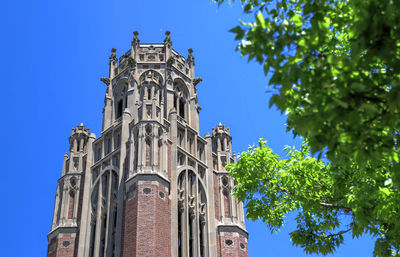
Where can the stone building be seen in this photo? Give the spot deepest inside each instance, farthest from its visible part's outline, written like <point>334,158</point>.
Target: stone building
<point>149,185</point>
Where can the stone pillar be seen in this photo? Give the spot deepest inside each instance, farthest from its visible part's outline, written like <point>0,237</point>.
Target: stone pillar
<point>171,157</point>
<point>99,224</point>
<point>85,228</point>
<point>141,148</point>
<point>135,45</point>
<point>124,168</point>
<point>56,207</point>
<point>64,168</point>
<point>108,232</point>
<point>211,206</point>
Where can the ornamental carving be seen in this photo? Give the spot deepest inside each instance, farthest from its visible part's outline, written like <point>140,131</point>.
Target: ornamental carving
<point>151,77</point>
<point>105,80</point>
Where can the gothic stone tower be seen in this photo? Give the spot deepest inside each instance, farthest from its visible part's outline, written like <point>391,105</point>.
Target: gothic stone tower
<point>149,185</point>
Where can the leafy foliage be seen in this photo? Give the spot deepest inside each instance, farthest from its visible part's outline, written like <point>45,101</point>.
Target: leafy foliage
<point>329,200</point>
<point>335,67</point>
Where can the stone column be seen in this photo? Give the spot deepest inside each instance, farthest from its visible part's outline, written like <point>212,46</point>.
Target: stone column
<point>85,228</point>
<point>108,232</point>
<point>154,152</point>
<point>56,207</point>
<point>204,237</point>
<point>64,168</point>
<point>164,156</point>
<point>185,221</point>
<point>124,164</point>
<point>64,203</point>
<point>76,202</point>
<point>99,224</point>
<point>194,233</point>
<point>141,148</point>
<point>172,117</point>
<point>211,245</point>
<point>183,230</point>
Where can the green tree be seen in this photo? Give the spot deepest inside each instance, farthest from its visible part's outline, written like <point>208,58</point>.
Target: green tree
<point>335,72</point>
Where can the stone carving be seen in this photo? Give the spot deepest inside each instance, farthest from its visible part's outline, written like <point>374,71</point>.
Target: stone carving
<point>131,62</point>
<point>190,59</point>
<point>197,81</point>
<point>150,76</point>
<point>113,56</point>
<point>167,39</point>
<point>135,38</point>
<point>170,61</point>
<point>105,80</point>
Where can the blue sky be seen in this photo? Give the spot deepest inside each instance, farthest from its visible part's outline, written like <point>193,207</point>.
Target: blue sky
<point>52,56</point>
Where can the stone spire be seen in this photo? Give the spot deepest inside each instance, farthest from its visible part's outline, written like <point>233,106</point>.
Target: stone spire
<point>113,62</point>
<point>135,44</point>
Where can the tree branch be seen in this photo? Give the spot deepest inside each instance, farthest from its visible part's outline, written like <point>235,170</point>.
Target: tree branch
<point>338,207</point>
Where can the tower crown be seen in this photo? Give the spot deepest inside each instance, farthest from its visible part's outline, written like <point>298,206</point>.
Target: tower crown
<point>220,130</point>
<point>80,130</point>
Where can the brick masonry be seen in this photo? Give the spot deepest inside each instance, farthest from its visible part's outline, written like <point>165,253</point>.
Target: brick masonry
<point>233,245</point>
<point>62,245</point>
<point>147,220</point>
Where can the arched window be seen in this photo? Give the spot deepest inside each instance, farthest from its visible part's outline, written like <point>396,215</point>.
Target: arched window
<point>150,85</point>
<point>226,189</point>
<point>103,220</point>
<point>181,95</point>
<point>121,98</point>
<point>192,215</point>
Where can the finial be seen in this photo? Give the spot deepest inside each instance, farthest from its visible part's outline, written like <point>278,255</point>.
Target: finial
<point>135,38</point>
<point>220,124</point>
<point>167,37</point>
<point>113,56</point>
<point>190,59</point>
<point>81,124</point>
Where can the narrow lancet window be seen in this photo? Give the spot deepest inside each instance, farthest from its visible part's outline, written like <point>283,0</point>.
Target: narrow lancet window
<point>192,228</point>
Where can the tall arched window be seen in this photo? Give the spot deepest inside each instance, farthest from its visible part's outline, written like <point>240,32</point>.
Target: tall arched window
<point>181,95</point>
<point>103,214</point>
<point>121,98</point>
<point>192,216</point>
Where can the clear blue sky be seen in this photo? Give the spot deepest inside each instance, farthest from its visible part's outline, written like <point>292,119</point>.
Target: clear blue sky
<point>53,54</point>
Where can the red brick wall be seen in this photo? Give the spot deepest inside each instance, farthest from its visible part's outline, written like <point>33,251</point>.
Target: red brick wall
<point>130,222</point>
<point>218,245</point>
<point>235,249</point>
<point>57,249</point>
<point>147,230</point>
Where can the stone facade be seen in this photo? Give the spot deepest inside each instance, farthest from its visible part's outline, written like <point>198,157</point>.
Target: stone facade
<point>149,185</point>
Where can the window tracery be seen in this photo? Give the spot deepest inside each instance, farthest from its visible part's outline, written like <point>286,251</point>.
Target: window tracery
<point>103,214</point>
<point>181,95</point>
<point>192,215</point>
<point>121,98</point>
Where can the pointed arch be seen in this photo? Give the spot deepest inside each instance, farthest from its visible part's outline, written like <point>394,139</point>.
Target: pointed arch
<point>103,197</point>
<point>192,214</point>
